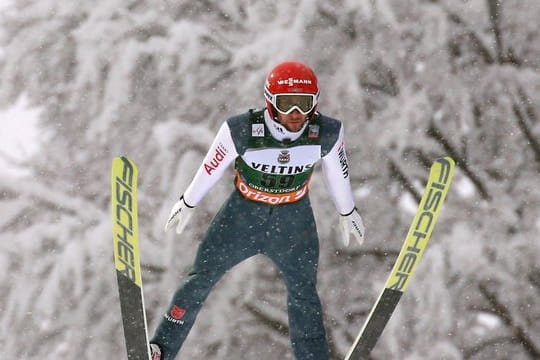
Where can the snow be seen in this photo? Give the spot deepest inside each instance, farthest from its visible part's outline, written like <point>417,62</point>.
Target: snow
<point>4,4</point>
<point>408,204</point>
<point>20,136</point>
<point>362,192</point>
<point>82,82</point>
<point>463,186</point>
<point>489,321</point>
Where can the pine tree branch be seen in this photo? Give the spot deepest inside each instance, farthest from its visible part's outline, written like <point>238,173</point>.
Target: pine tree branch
<point>274,324</point>
<point>477,42</point>
<point>494,8</point>
<point>505,315</point>
<point>523,118</point>
<point>503,57</point>
<point>395,172</point>
<point>477,349</point>
<point>461,162</point>
<point>333,351</point>
<point>534,278</point>
<point>423,159</point>
<point>380,254</point>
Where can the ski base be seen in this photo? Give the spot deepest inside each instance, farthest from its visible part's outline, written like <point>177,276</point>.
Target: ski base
<point>375,324</point>
<point>133,319</point>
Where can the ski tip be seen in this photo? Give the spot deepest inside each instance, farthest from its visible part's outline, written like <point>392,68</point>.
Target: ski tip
<point>124,160</point>
<point>443,170</point>
<point>446,160</point>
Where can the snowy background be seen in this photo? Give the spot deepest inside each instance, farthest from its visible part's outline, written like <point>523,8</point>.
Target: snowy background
<point>84,81</point>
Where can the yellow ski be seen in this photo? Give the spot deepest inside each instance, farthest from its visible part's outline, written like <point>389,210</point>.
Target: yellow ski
<point>440,178</point>
<point>126,257</point>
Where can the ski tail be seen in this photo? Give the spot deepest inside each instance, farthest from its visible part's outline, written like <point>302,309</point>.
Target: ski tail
<point>127,258</point>
<point>440,178</point>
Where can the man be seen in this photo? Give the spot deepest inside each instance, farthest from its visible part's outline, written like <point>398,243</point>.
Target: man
<point>274,151</point>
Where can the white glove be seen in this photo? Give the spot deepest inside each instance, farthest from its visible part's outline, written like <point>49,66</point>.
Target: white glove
<point>181,212</point>
<point>352,223</point>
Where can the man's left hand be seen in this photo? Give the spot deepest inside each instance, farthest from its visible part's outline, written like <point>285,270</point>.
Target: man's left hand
<point>352,223</point>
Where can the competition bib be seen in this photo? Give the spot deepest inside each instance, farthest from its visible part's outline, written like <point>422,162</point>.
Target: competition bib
<point>273,176</point>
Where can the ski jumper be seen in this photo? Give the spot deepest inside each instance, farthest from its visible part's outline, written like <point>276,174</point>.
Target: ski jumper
<point>268,213</point>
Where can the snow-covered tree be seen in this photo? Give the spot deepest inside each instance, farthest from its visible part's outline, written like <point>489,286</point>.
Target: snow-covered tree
<point>153,80</point>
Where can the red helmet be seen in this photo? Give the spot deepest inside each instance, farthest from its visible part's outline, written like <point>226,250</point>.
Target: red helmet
<point>291,86</point>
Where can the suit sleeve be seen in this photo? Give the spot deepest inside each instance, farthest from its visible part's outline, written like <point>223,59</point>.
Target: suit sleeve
<point>221,154</point>
<point>336,172</point>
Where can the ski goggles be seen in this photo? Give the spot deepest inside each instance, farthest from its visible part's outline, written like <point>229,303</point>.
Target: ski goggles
<point>287,103</point>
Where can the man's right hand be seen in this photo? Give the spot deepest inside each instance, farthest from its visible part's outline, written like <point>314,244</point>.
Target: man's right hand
<point>180,214</point>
